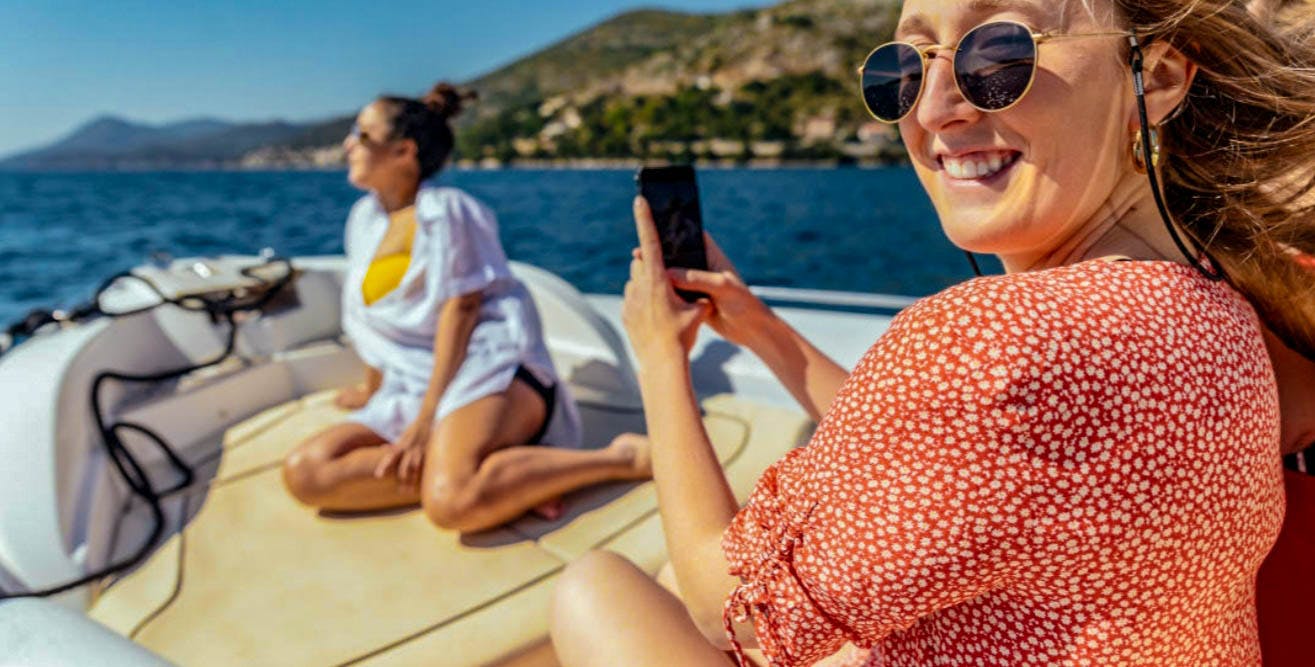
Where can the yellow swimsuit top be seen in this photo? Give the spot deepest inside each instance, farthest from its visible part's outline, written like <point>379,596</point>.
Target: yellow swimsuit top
<point>385,273</point>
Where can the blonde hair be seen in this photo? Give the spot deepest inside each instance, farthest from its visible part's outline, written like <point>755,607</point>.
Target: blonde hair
<point>1239,158</point>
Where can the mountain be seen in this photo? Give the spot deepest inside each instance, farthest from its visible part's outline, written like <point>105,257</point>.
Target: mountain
<point>110,134</point>
<point>109,142</point>
<point>577,62</point>
<point>772,84</point>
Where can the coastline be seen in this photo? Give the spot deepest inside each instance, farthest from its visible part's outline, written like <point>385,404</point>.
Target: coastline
<point>576,164</point>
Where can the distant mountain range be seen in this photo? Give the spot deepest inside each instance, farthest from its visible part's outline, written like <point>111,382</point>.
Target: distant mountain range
<point>109,142</point>
<point>775,83</point>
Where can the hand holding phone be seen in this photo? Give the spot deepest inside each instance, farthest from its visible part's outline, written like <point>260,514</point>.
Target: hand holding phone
<point>673,197</point>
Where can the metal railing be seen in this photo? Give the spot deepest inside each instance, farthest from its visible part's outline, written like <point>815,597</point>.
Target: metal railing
<point>814,297</point>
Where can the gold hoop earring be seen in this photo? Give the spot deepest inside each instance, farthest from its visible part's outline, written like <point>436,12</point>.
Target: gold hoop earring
<point>1139,153</point>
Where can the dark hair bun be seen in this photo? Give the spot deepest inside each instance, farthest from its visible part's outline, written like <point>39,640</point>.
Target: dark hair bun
<point>447,100</point>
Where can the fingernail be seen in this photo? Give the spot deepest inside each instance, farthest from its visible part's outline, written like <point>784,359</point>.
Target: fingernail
<point>639,202</point>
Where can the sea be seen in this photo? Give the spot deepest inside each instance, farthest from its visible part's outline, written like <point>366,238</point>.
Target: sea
<point>850,229</point>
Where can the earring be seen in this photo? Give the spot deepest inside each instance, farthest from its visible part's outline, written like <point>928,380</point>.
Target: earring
<point>1139,153</point>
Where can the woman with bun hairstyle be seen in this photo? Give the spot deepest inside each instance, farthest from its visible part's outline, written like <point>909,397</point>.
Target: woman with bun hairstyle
<point>460,396</point>
<point>1074,463</point>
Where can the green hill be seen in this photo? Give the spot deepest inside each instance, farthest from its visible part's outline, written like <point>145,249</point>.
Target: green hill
<point>777,83</point>
<point>590,57</point>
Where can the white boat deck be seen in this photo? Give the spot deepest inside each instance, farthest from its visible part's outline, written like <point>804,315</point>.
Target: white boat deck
<point>65,511</point>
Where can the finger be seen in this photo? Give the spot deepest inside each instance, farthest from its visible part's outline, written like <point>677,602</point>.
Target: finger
<point>404,470</point>
<point>413,462</point>
<point>404,467</point>
<point>717,260</point>
<point>699,281</point>
<point>636,269</point>
<point>650,246</point>
<point>697,311</point>
<point>706,308</point>
<point>636,253</point>
<point>386,464</point>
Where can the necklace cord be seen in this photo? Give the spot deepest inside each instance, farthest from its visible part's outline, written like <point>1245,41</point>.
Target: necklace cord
<point>1202,261</point>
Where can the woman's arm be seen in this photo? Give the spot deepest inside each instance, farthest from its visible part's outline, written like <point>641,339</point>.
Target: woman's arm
<point>457,318</point>
<point>742,318</point>
<point>694,497</point>
<point>812,377</point>
<point>456,321</point>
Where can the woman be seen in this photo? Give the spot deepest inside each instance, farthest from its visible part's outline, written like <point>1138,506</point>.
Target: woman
<point>459,395</point>
<point>1076,462</point>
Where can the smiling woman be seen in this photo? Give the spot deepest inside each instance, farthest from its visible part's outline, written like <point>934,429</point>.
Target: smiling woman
<point>1074,463</point>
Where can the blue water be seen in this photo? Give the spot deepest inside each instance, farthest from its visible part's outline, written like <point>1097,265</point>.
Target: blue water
<point>846,229</point>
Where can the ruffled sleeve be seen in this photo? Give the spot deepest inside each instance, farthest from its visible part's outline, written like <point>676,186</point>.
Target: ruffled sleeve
<point>908,499</point>
<point>462,244</point>
<point>760,545</point>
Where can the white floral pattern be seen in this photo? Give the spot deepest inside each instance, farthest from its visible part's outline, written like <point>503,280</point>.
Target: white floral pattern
<point>1076,466</point>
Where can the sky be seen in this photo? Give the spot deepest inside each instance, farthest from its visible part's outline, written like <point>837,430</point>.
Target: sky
<point>64,62</point>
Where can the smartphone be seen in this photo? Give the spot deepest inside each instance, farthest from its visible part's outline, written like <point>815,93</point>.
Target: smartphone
<point>673,196</point>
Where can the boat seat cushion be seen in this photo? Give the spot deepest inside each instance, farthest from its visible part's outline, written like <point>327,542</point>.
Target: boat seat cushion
<point>256,578</point>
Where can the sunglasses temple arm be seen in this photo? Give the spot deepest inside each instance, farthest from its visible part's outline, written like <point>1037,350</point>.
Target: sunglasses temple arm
<point>1137,60</point>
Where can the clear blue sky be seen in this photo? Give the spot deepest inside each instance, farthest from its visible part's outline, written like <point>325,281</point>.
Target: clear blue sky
<point>63,62</point>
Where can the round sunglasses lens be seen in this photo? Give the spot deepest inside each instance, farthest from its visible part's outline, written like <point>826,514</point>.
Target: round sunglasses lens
<point>892,79</point>
<point>994,65</point>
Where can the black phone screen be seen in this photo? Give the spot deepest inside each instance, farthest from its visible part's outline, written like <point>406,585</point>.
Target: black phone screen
<point>673,196</point>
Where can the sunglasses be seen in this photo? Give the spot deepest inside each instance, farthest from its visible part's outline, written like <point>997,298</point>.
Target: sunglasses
<point>994,67</point>
<point>359,135</point>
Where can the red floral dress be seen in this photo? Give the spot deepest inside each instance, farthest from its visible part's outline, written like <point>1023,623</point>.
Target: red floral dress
<point>1075,466</point>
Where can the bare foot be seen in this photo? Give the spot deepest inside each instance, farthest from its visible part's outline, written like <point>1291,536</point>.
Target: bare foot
<point>636,449</point>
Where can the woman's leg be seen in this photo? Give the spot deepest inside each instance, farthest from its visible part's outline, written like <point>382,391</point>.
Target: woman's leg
<point>479,474</point>
<point>635,445</point>
<point>334,470</point>
<point>606,611</point>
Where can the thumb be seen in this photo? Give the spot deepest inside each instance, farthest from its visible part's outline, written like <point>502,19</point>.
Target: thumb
<point>700,310</point>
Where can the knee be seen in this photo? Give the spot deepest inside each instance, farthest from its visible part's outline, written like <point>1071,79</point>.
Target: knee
<point>449,504</point>
<point>580,597</point>
<point>582,586</point>
<point>300,475</point>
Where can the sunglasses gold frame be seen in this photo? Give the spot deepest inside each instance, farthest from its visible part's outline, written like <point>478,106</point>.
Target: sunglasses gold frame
<point>930,51</point>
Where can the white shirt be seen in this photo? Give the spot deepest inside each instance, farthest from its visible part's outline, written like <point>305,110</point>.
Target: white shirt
<point>455,251</point>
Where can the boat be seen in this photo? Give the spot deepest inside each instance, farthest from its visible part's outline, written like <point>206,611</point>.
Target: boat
<point>224,567</point>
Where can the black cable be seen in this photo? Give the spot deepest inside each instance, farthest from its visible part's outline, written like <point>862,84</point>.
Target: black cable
<point>127,465</point>
<point>972,259</point>
<point>1137,60</point>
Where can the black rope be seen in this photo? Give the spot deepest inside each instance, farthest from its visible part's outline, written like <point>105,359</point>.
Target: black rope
<point>1137,60</point>
<point>224,307</point>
